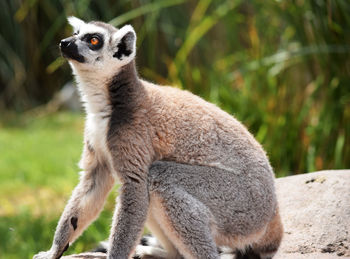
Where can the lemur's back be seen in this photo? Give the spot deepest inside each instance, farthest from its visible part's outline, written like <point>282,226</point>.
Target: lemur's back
<point>217,165</point>
<point>186,124</point>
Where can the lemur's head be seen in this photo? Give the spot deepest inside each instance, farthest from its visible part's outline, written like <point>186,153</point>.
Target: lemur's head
<point>98,46</point>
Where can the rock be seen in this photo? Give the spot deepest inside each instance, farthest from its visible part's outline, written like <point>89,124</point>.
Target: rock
<point>93,255</point>
<point>89,255</point>
<point>315,210</point>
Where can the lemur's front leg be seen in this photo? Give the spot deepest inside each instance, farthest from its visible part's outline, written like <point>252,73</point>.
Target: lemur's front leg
<point>84,206</point>
<point>129,218</point>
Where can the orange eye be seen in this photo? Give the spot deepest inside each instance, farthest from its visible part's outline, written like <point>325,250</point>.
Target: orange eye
<point>94,41</point>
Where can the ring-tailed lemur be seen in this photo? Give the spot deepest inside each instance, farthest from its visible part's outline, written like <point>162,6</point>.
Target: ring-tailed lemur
<point>189,171</point>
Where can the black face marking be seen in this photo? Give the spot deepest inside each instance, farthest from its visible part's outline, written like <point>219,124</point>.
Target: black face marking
<point>87,38</point>
<point>74,222</point>
<point>69,50</point>
<point>125,46</point>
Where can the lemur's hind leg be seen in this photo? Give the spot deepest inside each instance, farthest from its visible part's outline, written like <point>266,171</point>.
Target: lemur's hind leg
<point>183,219</point>
<point>161,247</point>
<point>268,245</point>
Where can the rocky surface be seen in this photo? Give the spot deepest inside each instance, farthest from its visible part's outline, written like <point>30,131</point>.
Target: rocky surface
<point>315,210</point>
<point>86,256</point>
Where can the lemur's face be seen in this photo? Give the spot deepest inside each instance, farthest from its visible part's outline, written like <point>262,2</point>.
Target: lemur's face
<point>98,46</point>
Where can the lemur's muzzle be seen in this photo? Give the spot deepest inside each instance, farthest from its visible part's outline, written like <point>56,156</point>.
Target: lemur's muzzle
<point>69,49</point>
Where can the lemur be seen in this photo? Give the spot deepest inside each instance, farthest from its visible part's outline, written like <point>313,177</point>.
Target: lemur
<point>189,171</point>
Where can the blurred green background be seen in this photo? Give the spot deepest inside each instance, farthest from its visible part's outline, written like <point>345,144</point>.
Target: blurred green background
<point>281,67</point>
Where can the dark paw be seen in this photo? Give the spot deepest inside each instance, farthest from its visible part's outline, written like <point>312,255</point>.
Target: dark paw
<point>247,254</point>
<point>102,247</point>
<point>144,240</point>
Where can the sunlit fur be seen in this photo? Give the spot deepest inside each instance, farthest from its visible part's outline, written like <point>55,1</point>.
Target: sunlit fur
<point>189,171</point>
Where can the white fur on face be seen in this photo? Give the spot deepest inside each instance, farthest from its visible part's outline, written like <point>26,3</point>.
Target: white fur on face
<point>100,62</point>
<point>116,37</point>
<point>75,23</point>
<point>95,60</point>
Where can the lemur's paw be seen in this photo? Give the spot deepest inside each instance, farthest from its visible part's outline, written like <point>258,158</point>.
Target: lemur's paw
<point>149,240</point>
<point>44,255</point>
<point>149,252</point>
<point>102,247</point>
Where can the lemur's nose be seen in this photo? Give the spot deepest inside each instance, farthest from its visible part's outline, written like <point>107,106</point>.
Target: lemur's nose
<point>65,43</point>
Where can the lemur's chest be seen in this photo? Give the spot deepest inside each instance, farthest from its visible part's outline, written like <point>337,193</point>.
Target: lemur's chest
<point>96,133</point>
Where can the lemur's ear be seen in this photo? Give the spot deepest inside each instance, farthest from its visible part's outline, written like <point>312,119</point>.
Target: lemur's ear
<point>125,42</point>
<point>75,22</point>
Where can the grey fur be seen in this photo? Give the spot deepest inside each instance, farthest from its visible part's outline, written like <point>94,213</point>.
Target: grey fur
<point>200,198</point>
<point>213,186</point>
<point>214,189</point>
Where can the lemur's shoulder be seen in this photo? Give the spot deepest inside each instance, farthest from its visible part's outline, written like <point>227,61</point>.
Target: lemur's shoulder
<point>180,109</point>
<point>173,96</point>
<point>165,90</point>
<point>182,103</point>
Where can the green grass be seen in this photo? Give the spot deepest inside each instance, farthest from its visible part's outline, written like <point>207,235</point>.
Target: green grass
<point>38,171</point>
